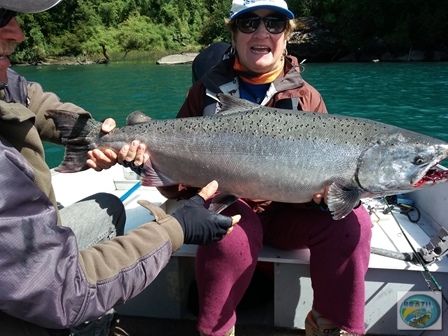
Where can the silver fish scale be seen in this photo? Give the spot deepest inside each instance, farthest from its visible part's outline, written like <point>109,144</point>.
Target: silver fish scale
<point>280,150</point>
<point>272,154</point>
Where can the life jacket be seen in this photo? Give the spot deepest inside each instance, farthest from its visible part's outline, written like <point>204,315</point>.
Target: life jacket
<point>218,59</point>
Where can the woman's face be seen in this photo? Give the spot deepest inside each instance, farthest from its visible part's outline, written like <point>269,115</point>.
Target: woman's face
<point>259,52</point>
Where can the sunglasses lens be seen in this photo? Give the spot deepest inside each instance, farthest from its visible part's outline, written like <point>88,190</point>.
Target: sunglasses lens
<point>5,16</point>
<point>248,25</point>
<point>275,25</point>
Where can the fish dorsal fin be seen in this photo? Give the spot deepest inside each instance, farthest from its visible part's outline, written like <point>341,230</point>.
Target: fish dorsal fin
<point>137,117</point>
<point>342,200</point>
<point>230,104</point>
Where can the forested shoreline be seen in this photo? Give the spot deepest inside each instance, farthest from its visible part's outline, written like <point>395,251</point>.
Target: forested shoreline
<point>101,30</point>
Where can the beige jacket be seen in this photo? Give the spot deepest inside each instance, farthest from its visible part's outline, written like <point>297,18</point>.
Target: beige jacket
<point>45,279</point>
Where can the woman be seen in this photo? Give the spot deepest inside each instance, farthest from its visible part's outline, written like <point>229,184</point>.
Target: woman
<point>258,69</point>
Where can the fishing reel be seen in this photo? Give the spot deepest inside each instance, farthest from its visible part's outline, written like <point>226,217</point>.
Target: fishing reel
<point>437,247</point>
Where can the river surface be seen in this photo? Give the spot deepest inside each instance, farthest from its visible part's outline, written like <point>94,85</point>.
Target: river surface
<point>408,95</point>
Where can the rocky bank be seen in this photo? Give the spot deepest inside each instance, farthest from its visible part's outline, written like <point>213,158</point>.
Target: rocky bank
<point>316,42</point>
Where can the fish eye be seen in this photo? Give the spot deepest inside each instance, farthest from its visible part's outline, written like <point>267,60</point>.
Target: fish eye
<point>418,160</point>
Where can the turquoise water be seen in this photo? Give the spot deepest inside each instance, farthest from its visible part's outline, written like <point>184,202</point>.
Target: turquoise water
<point>408,95</point>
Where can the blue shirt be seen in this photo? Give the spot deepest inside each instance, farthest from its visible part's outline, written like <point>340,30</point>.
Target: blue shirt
<point>253,92</point>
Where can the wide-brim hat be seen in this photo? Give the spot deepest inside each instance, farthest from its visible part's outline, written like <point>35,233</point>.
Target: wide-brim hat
<point>243,6</point>
<point>28,6</point>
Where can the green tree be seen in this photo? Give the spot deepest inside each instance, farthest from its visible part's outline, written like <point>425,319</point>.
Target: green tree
<point>88,27</point>
<point>213,29</point>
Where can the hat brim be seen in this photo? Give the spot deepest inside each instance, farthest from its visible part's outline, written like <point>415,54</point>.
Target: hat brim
<point>28,6</point>
<point>277,9</point>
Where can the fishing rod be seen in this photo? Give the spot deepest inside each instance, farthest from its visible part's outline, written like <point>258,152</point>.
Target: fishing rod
<point>435,250</point>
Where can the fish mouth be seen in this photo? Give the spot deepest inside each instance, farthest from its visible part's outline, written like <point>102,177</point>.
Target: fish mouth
<point>434,175</point>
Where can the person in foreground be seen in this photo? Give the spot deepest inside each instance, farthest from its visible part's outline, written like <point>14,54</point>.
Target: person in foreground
<point>257,68</point>
<point>64,269</point>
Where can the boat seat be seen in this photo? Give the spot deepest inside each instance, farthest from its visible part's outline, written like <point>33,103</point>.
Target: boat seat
<point>169,295</point>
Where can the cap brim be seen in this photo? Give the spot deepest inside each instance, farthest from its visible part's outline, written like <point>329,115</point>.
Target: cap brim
<point>28,6</point>
<point>277,9</point>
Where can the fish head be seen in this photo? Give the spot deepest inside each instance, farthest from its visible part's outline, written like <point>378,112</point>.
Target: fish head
<point>401,163</point>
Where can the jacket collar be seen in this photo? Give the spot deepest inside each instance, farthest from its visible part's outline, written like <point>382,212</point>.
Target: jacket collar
<point>222,78</point>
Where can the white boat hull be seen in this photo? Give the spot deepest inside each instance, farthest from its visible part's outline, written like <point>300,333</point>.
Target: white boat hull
<point>167,296</point>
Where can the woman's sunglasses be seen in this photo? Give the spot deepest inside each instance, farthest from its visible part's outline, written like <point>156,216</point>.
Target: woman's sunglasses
<point>5,16</point>
<point>273,24</point>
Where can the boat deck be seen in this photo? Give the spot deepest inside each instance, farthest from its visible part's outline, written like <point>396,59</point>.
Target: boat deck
<point>287,298</point>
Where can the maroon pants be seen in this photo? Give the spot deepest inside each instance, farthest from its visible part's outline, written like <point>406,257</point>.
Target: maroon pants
<point>340,252</point>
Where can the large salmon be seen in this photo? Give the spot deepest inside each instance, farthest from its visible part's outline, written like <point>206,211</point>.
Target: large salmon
<point>266,153</point>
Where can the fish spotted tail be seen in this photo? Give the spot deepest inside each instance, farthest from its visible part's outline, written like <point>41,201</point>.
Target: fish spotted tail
<point>79,134</point>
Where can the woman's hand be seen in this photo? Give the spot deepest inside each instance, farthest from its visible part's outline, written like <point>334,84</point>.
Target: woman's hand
<point>99,159</point>
<point>135,153</point>
<point>318,198</point>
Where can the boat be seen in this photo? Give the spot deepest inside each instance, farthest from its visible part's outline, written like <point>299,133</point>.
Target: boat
<point>408,256</point>
<point>394,271</point>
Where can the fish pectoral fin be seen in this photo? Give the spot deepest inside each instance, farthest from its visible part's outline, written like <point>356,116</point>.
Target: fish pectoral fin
<point>341,201</point>
<point>221,202</point>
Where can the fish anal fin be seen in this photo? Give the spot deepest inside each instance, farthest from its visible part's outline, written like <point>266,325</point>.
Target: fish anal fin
<point>341,201</point>
<point>152,177</point>
<point>221,202</point>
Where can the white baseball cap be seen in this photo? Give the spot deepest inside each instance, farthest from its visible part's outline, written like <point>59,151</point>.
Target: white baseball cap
<point>243,6</point>
<point>28,6</point>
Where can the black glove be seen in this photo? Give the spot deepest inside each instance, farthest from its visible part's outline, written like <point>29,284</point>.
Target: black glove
<point>201,226</point>
<point>134,168</point>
